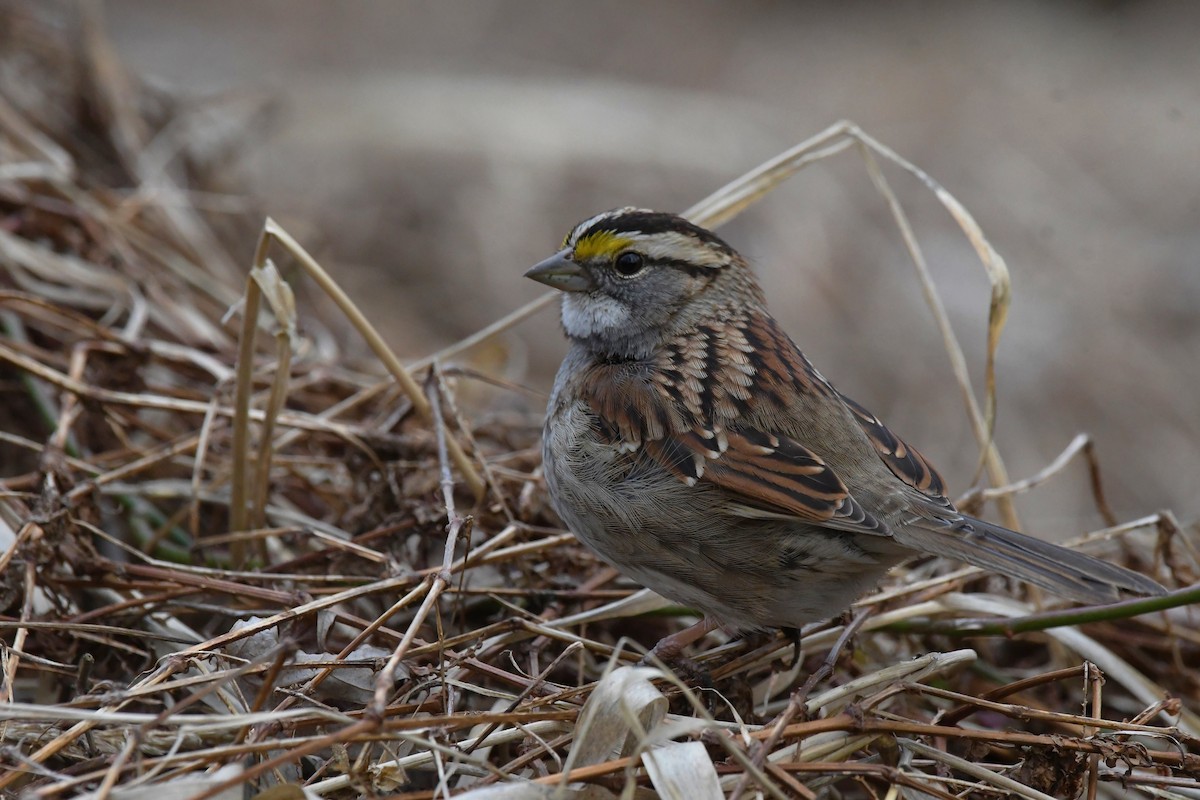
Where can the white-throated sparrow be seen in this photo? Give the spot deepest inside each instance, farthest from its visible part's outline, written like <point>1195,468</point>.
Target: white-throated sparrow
<point>692,445</point>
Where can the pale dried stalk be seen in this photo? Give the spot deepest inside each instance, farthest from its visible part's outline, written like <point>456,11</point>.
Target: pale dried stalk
<point>272,232</point>
<point>456,526</point>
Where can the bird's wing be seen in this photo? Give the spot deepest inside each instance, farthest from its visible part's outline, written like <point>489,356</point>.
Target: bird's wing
<point>905,462</point>
<point>765,476</point>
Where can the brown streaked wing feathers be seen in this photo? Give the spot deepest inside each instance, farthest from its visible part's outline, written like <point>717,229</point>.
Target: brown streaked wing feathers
<point>782,369</point>
<point>766,473</point>
<point>905,462</point>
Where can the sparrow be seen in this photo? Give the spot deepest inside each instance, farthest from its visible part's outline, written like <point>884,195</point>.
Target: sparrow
<point>693,446</point>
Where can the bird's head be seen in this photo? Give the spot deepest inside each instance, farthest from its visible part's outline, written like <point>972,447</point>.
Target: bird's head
<point>632,278</point>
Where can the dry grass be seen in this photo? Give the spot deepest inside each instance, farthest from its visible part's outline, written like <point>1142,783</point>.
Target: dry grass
<point>236,552</point>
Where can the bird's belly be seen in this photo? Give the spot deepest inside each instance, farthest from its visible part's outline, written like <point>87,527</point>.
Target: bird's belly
<point>681,542</point>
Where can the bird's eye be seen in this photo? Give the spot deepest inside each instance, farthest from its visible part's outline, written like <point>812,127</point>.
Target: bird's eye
<point>629,264</point>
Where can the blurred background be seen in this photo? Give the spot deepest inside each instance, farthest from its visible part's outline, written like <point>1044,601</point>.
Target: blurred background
<point>428,152</point>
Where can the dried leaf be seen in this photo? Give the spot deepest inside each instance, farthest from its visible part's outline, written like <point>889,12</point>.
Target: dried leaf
<point>683,771</point>
<point>622,708</point>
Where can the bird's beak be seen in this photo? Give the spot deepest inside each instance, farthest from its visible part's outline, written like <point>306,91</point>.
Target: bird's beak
<point>560,272</point>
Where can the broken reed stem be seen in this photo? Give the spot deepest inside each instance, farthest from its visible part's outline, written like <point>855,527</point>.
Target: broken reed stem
<point>266,447</point>
<point>239,519</point>
<point>272,231</point>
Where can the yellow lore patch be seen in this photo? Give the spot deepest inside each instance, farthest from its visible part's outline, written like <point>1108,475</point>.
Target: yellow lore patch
<point>599,245</point>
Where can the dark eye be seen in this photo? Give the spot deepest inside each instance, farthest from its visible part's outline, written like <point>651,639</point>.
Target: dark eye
<point>629,264</point>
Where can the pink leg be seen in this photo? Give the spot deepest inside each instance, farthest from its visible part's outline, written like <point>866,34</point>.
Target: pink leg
<point>669,647</point>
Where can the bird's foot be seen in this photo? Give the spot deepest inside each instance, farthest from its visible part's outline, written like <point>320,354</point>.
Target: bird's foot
<point>793,636</point>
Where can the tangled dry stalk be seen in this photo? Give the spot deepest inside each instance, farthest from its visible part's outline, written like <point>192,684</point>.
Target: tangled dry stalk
<point>236,553</point>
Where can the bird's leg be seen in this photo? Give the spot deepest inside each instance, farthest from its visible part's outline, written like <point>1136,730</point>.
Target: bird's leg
<point>669,648</point>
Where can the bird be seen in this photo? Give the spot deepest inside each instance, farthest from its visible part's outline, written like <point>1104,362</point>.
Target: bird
<point>692,445</point>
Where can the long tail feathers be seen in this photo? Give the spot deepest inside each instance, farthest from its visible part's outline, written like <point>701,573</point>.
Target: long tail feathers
<point>1056,569</point>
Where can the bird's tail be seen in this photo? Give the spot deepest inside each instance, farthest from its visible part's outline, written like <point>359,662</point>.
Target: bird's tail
<point>1056,569</point>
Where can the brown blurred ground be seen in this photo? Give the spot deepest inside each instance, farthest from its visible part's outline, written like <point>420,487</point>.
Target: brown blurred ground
<point>430,151</point>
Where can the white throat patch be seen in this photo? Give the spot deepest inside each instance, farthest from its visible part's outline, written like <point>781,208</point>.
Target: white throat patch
<point>585,315</point>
